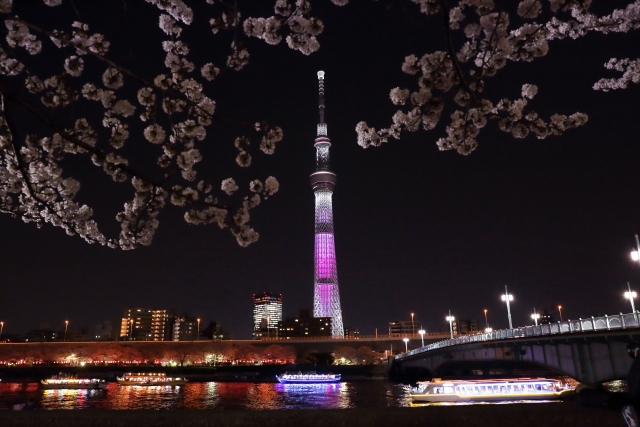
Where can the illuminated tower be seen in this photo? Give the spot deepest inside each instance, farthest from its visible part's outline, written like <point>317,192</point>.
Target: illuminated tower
<point>326,295</point>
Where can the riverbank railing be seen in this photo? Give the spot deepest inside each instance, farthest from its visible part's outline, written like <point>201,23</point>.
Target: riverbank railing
<point>600,323</point>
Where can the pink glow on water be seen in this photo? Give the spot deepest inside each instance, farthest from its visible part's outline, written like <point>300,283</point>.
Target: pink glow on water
<point>325,256</point>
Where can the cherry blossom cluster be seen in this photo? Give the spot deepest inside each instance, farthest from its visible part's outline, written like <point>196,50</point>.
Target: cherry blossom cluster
<point>291,21</point>
<point>170,110</point>
<point>481,39</point>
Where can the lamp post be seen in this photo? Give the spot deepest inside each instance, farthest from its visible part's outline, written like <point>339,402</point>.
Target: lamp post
<point>507,297</point>
<point>198,330</point>
<point>635,255</point>
<point>406,344</point>
<point>450,319</point>
<point>130,329</point>
<point>560,311</point>
<point>630,295</point>
<point>486,320</point>
<point>1,328</point>
<point>413,328</point>
<point>535,316</point>
<point>421,332</point>
<point>66,326</point>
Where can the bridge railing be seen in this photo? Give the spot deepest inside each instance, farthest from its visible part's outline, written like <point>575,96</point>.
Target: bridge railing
<point>603,323</point>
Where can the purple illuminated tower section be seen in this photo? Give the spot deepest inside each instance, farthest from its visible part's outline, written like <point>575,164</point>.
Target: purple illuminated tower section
<point>326,295</point>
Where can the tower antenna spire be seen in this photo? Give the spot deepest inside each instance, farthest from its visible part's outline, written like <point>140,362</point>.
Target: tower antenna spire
<point>321,96</point>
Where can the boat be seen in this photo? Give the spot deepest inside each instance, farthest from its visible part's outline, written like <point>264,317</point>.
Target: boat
<point>307,378</point>
<point>150,379</point>
<point>489,390</point>
<point>72,382</point>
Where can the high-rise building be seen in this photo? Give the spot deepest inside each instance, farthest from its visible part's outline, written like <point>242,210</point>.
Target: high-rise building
<point>406,327</point>
<point>144,324</point>
<point>464,326</point>
<point>304,326</point>
<point>326,295</point>
<point>184,329</point>
<point>267,312</point>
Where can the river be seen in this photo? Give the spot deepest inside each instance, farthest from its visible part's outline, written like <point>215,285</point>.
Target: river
<point>213,395</point>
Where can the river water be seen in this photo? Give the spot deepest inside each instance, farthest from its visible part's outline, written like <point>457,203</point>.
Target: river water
<point>213,395</point>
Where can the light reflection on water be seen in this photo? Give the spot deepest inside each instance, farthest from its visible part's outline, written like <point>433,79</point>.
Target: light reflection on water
<point>220,395</point>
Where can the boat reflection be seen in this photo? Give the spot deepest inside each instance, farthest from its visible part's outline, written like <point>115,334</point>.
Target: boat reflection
<point>69,398</point>
<point>333,395</point>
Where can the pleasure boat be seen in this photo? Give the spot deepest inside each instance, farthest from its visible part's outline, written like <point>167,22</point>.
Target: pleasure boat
<point>307,378</point>
<point>489,390</point>
<point>150,379</point>
<point>71,382</point>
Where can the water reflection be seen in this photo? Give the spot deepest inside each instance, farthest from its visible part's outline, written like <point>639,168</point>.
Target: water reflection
<point>218,395</point>
<point>68,399</point>
<point>298,396</point>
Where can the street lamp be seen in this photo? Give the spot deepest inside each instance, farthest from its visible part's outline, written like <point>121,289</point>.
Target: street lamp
<point>406,344</point>
<point>66,326</point>
<point>487,330</point>
<point>508,297</point>
<point>1,328</point>
<point>635,255</point>
<point>535,316</point>
<point>421,332</point>
<point>450,319</point>
<point>198,330</point>
<point>413,328</point>
<point>131,329</point>
<point>486,320</point>
<point>630,295</point>
<point>560,311</point>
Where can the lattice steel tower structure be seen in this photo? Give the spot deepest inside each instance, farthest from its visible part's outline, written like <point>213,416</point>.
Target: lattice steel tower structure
<point>326,295</point>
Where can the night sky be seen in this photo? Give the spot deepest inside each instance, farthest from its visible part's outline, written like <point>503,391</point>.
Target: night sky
<point>417,230</point>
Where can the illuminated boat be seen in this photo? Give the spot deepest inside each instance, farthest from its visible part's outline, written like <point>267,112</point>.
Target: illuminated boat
<point>489,390</point>
<point>150,379</point>
<point>70,382</point>
<point>307,378</point>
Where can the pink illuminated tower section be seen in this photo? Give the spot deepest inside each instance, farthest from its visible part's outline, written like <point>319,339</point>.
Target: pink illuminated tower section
<point>326,295</point>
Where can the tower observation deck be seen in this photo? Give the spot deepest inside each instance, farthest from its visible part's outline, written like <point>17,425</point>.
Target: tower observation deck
<point>326,295</point>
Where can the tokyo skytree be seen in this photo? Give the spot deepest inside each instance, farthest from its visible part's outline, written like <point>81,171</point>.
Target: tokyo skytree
<point>326,295</point>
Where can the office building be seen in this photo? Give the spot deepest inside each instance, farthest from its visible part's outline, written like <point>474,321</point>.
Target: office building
<point>267,312</point>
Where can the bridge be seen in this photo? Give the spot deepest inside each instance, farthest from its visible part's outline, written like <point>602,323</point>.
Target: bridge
<point>591,350</point>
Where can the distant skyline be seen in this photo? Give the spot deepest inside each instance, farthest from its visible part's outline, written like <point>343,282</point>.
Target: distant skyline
<point>417,230</point>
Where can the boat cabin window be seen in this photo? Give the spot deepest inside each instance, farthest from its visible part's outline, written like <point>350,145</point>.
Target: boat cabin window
<point>448,390</point>
<point>538,387</point>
